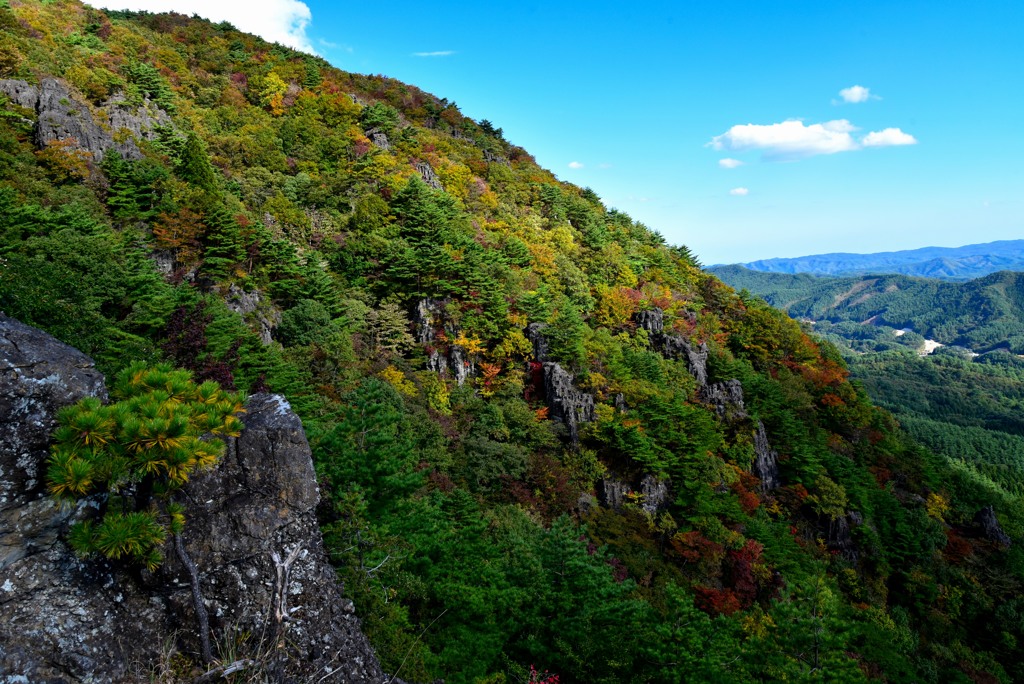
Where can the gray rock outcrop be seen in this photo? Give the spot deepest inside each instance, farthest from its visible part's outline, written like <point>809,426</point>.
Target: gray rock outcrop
<point>379,138</point>
<point>727,399</point>
<point>37,375</point>
<point>766,460</point>
<point>991,530</point>
<point>567,404</point>
<point>62,115</point>
<point>261,501</point>
<point>428,175</point>
<point>250,305</point>
<point>840,538</point>
<point>651,494</point>
<point>534,332</point>
<point>613,492</point>
<point>651,320</point>
<point>695,356</point>
<point>21,93</point>
<point>495,158</point>
<point>654,492</point>
<point>251,531</point>
<point>436,331</point>
<point>674,346</point>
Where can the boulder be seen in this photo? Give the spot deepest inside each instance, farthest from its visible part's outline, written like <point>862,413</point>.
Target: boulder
<point>251,532</point>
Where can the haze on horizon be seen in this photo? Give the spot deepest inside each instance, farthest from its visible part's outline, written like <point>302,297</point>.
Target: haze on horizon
<point>744,130</point>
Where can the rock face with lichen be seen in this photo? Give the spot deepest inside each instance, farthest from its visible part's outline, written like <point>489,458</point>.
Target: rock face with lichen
<point>567,404</point>
<point>62,115</point>
<point>674,346</point>
<point>37,374</point>
<point>251,531</point>
<point>766,460</point>
<point>436,331</point>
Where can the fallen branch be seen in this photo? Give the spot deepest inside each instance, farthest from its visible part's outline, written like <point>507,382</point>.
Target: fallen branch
<point>225,671</point>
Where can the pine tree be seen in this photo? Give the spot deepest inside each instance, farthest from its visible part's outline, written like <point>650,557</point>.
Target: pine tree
<point>139,451</point>
<point>224,251</point>
<point>371,449</point>
<point>195,165</point>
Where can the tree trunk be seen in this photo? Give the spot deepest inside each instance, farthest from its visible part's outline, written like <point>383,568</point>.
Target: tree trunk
<point>197,598</point>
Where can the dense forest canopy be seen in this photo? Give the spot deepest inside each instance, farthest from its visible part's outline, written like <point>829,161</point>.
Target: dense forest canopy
<point>544,436</point>
<point>985,314</point>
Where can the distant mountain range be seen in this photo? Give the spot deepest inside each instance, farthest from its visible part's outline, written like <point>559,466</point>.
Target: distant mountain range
<point>946,263</point>
<point>984,314</point>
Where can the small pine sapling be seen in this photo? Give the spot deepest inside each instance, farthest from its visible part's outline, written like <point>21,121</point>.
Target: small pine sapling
<point>134,454</point>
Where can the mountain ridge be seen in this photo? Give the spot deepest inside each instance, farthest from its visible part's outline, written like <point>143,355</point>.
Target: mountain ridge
<point>946,263</point>
<point>542,436</point>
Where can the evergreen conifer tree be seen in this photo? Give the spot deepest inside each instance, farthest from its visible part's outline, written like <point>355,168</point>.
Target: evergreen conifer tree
<point>138,451</point>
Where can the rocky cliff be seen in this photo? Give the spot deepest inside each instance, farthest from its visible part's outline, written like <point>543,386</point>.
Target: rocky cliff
<point>275,607</point>
<point>61,115</point>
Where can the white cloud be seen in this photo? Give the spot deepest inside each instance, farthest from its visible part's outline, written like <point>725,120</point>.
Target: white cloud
<point>729,163</point>
<point>788,140</point>
<point>436,53</point>
<point>887,138</point>
<point>856,94</point>
<point>278,21</point>
<point>575,165</point>
<point>739,192</point>
<point>604,165</point>
<point>791,140</point>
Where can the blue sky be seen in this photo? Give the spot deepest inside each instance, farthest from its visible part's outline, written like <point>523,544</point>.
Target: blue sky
<point>861,127</point>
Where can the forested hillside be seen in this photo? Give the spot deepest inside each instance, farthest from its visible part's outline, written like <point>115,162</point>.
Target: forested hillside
<point>982,315</point>
<point>963,405</point>
<point>548,442</point>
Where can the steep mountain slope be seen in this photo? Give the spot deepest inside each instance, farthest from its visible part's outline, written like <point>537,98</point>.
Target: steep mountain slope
<point>962,405</point>
<point>946,263</point>
<point>544,437</point>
